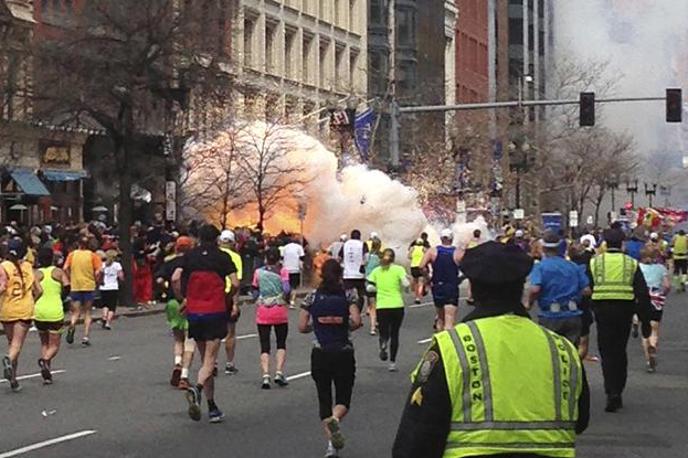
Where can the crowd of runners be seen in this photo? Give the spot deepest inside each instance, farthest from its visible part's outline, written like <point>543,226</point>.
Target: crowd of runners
<point>51,278</point>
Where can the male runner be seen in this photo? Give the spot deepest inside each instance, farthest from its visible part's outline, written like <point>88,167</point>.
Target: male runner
<point>354,256</point>
<point>228,245</point>
<point>84,268</point>
<point>200,282</point>
<point>444,262</point>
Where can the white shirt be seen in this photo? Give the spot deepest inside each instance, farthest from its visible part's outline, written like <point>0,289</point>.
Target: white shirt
<point>292,254</point>
<point>110,275</point>
<point>353,259</point>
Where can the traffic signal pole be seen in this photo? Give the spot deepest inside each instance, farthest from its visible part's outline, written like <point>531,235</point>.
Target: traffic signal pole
<point>397,111</point>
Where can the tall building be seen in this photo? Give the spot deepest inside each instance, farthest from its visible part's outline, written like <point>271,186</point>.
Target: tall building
<point>472,41</point>
<point>293,57</point>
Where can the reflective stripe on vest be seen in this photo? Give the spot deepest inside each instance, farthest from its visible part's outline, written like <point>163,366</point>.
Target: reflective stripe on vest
<point>613,276</point>
<point>481,427</point>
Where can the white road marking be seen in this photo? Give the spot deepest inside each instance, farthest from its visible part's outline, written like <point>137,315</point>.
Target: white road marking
<point>48,443</point>
<point>422,304</point>
<point>291,377</point>
<point>247,336</point>
<point>114,358</point>
<point>424,341</point>
<point>26,377</point>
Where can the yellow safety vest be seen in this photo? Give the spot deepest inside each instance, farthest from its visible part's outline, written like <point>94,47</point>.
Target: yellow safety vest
<point>417,253</point>
<point>506,401</point>
<point>680,247</point>
<point>613,274</point>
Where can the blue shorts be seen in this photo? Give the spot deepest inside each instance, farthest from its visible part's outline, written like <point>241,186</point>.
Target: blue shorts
<point>445,294</point>
<point>82,296</point>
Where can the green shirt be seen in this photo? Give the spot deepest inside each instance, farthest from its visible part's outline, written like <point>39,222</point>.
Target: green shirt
<point>389,283</point>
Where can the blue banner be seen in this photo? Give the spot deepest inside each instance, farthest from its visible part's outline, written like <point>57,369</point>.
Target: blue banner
<point>363,128</point>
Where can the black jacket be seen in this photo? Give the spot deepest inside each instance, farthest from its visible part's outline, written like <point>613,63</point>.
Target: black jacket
<point>424,429</point>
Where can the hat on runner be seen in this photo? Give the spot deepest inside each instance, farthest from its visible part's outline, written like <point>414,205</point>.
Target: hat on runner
<point>519,233</point>
<point>227,236</point>
<point>16,247</point>
<point>654,236</point>
<point>343,237</point>
<point>496,263</point>
<point>590,239</point>
<point>374,235</point>
<point>183,242</point>
<point>446,234</point>
<point>551,240</point>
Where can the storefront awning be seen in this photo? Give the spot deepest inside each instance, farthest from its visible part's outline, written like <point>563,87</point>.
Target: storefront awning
<point>29,183</point>
<point>64,175</point>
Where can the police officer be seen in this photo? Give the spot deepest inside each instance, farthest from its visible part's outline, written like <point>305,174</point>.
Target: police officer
<point>496,384</point>
<point>618,292</point>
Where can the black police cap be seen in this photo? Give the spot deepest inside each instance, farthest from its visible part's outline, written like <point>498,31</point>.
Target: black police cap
<point>495,263</point>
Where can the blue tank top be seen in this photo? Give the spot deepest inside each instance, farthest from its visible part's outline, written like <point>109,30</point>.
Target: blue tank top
<point>444,269</point>
<point>330,317</point>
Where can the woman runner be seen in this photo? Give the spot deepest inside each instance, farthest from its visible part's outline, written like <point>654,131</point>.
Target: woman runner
<point>373,261</point>
<point>271,291</point>
<point>113,274</point>
<point>389,281</point>
<point>659,284</point>
<point>332,314</point>
<point>49,313</point>
<point>18,291</point>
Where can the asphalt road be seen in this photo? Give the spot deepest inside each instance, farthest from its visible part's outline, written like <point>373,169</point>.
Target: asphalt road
<point>113,399</point>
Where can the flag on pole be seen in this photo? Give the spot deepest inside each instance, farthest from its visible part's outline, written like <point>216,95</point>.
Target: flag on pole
<point>363,128</point>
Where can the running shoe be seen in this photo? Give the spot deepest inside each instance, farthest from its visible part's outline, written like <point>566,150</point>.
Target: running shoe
<point>417,301</point>
<point>331,452</point>
<point>85,342</point>
<point>372,332</point>
<point>15,386</point>
<point>176,375</point>
<point>393,367</point>
<point>266,382</point>
<point>103,324</point>
<point>614,403</point>
<point>336,436</point>
<point>7,369</point>
<point>215,415</point>
<point>383,352</point>
<point>281,380</point>
<point>70,335</point>
<point>107,327</point>
<point>45,372</point>
<point>183,384</point>
<point>230,369</point>
<point>193,397</point>
<point>634,332</point>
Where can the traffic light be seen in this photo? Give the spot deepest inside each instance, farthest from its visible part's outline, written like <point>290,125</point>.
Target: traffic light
<point>674,105</point>
<point>587,109</point>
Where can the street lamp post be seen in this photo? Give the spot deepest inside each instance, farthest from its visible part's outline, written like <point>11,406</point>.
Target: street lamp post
<point>518,163</point>
<point>650,192</point>
<point>613,185</point>
<point>632,189</point>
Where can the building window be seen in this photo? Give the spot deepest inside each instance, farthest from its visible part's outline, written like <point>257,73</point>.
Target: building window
<point>378,12</point>
<point>323,63</point>
<point>352,16</point>
<point>378,66</point>
<point>270,58</point>
<point>339,67</point>
<point>289,53</point>
<point>306,67</point>
<point>249,30</point>
<point>407,76</point>
<point>406,27</point>
<point>353,67</point>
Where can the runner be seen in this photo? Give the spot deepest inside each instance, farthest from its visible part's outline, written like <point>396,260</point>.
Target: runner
<point>388,281</point>
<point>184,346</point>
<point>353,255</point>
<point>292,256</point>
<point>228,245</point>
<point>18,291</point>
<point>679,247</point>
<point>83,267</point>
<point>415,255</point>
<point>109,290</point>
<point>49,311</point>
<point>200,281</point>
<point>336,246</point>
<point>373,261</point>
<point>444,261</point>
<point>270,290</point>
<point>659,285</point>
<point>332,314</point>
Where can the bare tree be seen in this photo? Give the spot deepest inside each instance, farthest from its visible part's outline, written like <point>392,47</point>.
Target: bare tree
<point>136,69</point>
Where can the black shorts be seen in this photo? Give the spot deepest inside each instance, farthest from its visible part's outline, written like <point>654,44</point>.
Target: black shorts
<point>445,294</point>
<point>680,266</point>
<point>109,299</point>
<point>208,329</point>
<point>231,320</point>
<point>294,280</point>
<point>49,326</point>
<point>416,272</point>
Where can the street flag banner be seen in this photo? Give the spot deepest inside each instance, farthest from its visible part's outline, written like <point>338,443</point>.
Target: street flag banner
<point>655,217</point>
<point>363,129</point>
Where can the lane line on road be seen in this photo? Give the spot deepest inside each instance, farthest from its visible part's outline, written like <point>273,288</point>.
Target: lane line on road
<point>293,377</point>
<point>26,377</point>
<point>48,443</point>
<point>247,336</point>
<point>424,341</point>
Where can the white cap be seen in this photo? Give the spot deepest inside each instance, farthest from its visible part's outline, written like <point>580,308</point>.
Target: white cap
<point>446,234</point>
<point>519,233</point>
<point>227,236</point>
<point>374,235</point>
<point>654,235</point>
<point>590,238</point>
<point>343,237</point>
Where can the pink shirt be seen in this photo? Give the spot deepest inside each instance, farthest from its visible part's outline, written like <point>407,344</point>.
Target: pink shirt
<point>271,308</point>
